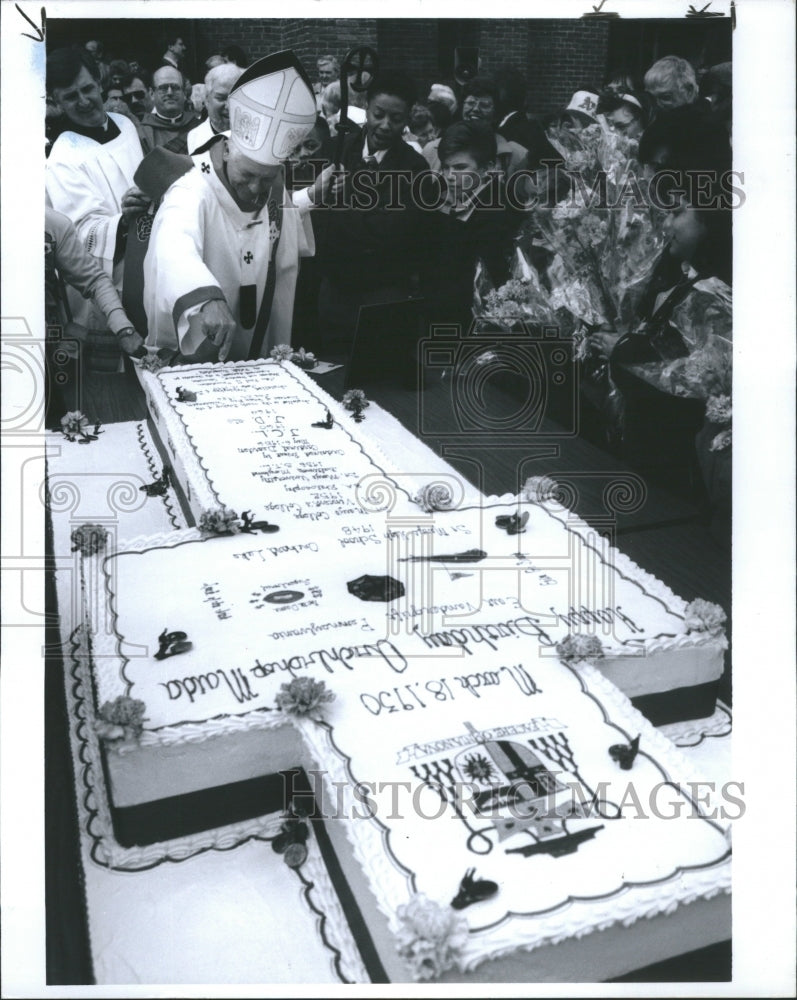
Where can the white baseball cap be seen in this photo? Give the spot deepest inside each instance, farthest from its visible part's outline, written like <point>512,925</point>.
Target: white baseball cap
<point>585,102</point>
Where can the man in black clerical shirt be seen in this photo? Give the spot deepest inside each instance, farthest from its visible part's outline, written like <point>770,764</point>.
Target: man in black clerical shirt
<point>168,124</point>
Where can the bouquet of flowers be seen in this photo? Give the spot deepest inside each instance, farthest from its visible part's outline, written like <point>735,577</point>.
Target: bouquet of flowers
<point>606,241</point>
<point>520,300</point>
<point>704,321</point>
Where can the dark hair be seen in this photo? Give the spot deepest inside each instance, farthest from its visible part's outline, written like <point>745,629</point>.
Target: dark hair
<point>474,137</point>
<point>690,139</point>
<point>63,65</point>
<point>440,114</point>
<point>119,69</point>
<point>621,81</point>
<point>714,256</point>
<point>171,37</point>
<point>392,83</point>
<point>609,101</point>
<point>420,117</point>
<point>144,76</point>
<point>512,88</point>
<point>235,54</point>
<point>481,86</point>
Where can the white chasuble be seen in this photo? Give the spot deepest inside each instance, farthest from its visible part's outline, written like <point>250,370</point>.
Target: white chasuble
<point>204,247</point>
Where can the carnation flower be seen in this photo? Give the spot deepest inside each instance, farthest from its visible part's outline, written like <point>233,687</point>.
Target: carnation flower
<point>703,616</point>
<point>592,231</point>
<point>302,695</point>
<point>121,718</point>
<point>707,372</point>
<point>355,400</point>
<point>74,422</point>
<point>88,539</point>
<point>718,409</point>
<point>152,362</point>
<point>577,646</point>
<point>537,489</point>
<point>282,352</point>
<point>220,521</point>
<point>430,937</point>
<point>434,496</point>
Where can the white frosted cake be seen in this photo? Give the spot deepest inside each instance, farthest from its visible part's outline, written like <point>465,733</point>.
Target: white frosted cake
<point>250,437</point>
<point>444,749</point>
<point>438,682</point>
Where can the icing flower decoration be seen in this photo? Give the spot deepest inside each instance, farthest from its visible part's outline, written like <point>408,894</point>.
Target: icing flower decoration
<point>121,719</point>
<point>73,427</point>
<point>74,422</point>
<point>88,539</point>
<point>703,616</point>
<point>282,352</point>
<point>434,496</point>
<point>577,646</point>
<point>430,937</point>
<point>302,695</point>
<point>221,521</point>
<point>356,401</point>
<point>538,489</point>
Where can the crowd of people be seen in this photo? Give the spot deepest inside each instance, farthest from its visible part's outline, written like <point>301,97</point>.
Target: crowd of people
<point>217,220</point>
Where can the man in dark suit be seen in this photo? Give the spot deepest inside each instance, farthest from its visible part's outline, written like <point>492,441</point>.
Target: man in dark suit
<point>369,245</point>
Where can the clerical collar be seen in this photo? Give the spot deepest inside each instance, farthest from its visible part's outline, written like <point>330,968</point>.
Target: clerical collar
<point>170,121</point>
<point>106,132</point>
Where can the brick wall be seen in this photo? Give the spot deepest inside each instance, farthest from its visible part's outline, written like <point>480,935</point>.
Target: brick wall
<point>562,56</point>
<point>257,37</point>
<point>555,55</point>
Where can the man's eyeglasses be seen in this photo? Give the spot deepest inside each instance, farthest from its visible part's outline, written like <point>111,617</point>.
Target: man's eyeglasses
<point>134,95</point>
<point>165,88</point>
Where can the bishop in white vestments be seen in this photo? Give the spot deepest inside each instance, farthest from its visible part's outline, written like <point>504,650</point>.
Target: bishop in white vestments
<point>223,258</point>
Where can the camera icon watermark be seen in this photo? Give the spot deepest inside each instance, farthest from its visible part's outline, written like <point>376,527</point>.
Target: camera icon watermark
<point>500,383</point>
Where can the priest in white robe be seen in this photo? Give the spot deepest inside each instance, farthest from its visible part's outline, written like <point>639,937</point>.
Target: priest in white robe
<point>89,173</point>
<point>223,258</point>
<point>219,82</point>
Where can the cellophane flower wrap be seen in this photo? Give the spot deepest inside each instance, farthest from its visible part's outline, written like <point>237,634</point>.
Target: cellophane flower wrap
<point>430,937</point>
<point>705,322</point>
<point>605,239</point>
<point>520,300</point>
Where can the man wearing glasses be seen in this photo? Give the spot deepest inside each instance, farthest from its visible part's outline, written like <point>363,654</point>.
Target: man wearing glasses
<point>168,124</point>
<point>136,95</point>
